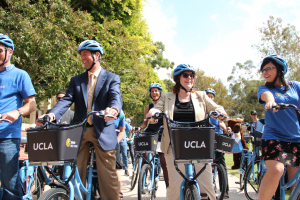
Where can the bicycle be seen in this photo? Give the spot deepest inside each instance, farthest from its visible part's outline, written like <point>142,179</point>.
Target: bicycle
<point>223,144</point>
<point>71,185</point>
<point>184,135</point>
<point>31,177</point>
<point>149,171</point>
<point>261,170</point>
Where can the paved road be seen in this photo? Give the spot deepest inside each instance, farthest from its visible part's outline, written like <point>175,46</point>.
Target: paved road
<point>234,191</point>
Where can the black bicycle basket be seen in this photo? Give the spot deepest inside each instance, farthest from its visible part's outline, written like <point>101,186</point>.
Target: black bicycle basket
<point>257,138</point>
<point>223,143</point>
<point>192,141</point>
<point>59,143</point>
<point>146,141</point>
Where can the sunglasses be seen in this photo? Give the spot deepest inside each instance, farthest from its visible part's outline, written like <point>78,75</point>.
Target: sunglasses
<point>58,98</point>
<point>186,75</point>
<point>254,114</point>
<point>267,69</point>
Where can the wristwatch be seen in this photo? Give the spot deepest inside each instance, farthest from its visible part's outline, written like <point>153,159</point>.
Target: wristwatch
<point>20,112</point>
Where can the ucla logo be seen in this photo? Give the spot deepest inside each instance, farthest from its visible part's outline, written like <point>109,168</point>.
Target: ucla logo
<point>68,142</point>
<point>42,146</point>
<point>226,144</point>
<point>193,144</point>
<point>277,94</point>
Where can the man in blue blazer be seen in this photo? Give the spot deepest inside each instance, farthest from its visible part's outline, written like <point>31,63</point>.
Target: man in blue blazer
<point>103,90</point>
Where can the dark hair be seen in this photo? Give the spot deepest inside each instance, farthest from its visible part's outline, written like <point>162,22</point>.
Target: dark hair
<point>60,92</point>
<point>176,87</point>
<point>279,73</point>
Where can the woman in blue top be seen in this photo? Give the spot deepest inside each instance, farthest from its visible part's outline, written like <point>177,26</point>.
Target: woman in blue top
<point>281,135</point>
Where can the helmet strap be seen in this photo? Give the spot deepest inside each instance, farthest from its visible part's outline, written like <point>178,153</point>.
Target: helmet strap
<point>190,90</point>
<point>94,62</point>
<point>5,58</point>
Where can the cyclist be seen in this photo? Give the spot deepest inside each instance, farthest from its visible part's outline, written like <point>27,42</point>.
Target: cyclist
<point>129,136</point>
<point>220,129</point>
<point>255,123</point>
<point>155,90</point>
<point>96,89</point>
<point>281,135</point>
<point>15,87</point>
<point>186,105</point>
<point>120,126</point>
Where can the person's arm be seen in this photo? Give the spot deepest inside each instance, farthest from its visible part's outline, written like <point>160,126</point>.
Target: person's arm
<point>145,123</point>
<point>269,99</point>
<point>121,133</point>
<point>27,108</point>
<point>223,126</point>
<point>159,107</point>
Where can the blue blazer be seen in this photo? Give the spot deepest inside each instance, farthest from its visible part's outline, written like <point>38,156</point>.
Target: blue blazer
<point>107,94</point>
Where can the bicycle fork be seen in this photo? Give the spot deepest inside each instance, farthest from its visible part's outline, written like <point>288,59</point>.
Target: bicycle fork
<point>189,178</point>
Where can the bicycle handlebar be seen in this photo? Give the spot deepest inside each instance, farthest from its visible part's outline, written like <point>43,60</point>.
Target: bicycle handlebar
<point>4,120</point>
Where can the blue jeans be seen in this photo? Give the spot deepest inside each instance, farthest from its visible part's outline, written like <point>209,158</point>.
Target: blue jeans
<point>9,168</point>
<point>123,147</point>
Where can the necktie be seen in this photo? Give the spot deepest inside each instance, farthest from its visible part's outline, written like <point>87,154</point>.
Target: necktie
<point>90,96</point>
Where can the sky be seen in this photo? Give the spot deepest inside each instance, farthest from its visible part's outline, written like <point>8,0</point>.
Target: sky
<point>214,35</point>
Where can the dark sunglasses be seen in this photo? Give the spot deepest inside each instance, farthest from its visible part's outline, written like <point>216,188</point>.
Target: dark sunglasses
<point>254,114</point>
<point>186,75</point>
<point>58,98</point>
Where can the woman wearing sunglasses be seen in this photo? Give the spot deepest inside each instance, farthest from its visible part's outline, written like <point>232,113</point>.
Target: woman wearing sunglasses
<point>281,135</point>
<point>184,104</point>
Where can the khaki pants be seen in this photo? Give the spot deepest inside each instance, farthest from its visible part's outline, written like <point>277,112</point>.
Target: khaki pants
<point>205,180</point>
<point>106,165</point>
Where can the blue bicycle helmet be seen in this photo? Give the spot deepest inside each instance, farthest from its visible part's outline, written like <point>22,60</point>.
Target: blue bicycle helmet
<point>91,45</point>
<point>128,120</point>
<point>5,40</point>
<point>210,90</point>
<point>279,60</point>
<point>181,68</point>
<point>155,85</point>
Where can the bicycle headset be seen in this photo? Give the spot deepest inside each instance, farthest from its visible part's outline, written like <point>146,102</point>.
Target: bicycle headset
<point>8,43</point>
<point>280,64</point>
<point>180,69</point>
<point>210,90</point>
<point>93,46</point>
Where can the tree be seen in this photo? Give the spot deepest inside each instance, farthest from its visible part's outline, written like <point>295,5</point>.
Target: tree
<point>243,90</point>
<point>46,37</point>
<point>169,85</point>
<point>203,82</point>
<point>282,39</point>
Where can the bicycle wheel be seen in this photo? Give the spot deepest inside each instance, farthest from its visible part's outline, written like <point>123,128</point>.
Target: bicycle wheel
<point>191,192</point>
<point>55,193</point>
<point>252,180</point>
<point>135,172</point>
<point>144,186</point>
<point>219,181</point>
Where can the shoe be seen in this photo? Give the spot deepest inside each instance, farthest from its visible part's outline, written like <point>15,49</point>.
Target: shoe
<point>226,196</point>
<point>126,173</point>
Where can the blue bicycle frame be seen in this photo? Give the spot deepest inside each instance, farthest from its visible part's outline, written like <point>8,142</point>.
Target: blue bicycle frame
<point>190,176</point>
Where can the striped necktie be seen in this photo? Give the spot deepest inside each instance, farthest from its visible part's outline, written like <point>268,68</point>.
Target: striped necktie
<point>90,96</point>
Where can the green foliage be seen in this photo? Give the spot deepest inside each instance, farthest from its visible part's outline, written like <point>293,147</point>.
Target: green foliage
<point>46,37</point>
<point>243,90</point>
<point>203,82</point>
<point>282,39</point>
<point>169,85</point>
<point>157,61</point>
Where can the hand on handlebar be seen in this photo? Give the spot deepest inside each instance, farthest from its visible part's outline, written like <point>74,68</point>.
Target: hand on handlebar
<point>44,118</point>
<point>271,106</point>
<point>4,120</point>
<point>110,114</point>
<point>150,118</point>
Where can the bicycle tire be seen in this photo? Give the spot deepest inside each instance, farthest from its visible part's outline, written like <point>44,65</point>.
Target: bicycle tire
<point>220,190</point>
<point>135,173</point>
<point>55,193</point>
<point>191,192</point>
<point>252,184</point>
<point>144,190</point>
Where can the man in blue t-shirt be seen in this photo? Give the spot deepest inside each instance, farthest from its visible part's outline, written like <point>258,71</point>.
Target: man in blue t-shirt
<point>15,87</point>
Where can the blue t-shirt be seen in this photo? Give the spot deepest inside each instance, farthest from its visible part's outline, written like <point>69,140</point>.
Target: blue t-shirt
<point>282,125</point>
<point>15,86</point>
<point>120,122</point>
<point>215,122</point>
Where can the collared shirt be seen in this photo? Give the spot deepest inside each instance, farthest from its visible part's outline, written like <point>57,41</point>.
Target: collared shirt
<point>6,68</point>
<point>96,73</point>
